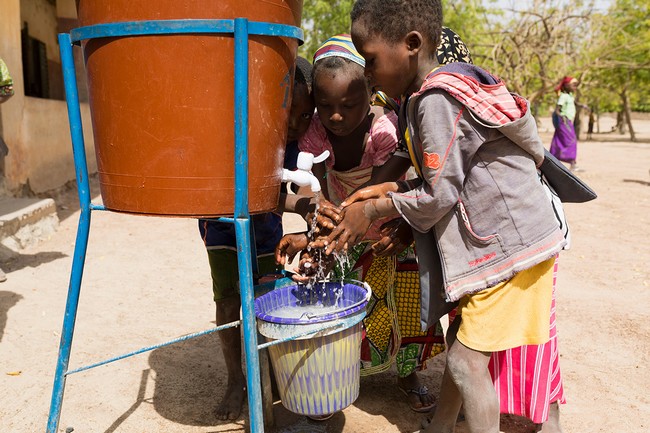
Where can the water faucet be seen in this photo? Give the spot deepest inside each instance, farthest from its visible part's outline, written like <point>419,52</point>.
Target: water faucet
<point>303,175</point>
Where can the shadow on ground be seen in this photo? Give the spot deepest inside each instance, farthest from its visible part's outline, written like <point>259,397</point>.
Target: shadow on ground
<point>190,380</point>
<point>640,182</point>
<point>7,300</point>
<point>13,261</point>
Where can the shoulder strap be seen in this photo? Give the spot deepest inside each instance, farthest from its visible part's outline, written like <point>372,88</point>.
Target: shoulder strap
<point>405,134</point>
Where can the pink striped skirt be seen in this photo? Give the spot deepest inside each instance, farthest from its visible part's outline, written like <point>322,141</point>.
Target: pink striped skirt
<point>527,378</point>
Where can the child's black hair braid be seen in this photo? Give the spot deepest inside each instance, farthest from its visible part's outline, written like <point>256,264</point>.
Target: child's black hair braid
<point>393,19</point>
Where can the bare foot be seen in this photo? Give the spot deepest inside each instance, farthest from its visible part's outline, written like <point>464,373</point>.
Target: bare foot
<point>417,394</point>
<point>231,405</point>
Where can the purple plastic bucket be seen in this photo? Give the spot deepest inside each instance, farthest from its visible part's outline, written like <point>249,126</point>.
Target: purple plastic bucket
<point>316,374</point>
<point>348,298</point>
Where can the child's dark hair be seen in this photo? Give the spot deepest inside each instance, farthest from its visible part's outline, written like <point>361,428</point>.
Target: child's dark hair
<point>393,19</point>
<point>303,72</point>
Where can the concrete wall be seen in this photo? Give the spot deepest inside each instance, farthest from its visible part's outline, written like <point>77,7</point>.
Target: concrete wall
<point>40,16</point>
<point>36,130</point>
<point>46,138</point>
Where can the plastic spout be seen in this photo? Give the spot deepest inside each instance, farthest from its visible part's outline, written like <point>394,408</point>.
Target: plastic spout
<point>303,176</point>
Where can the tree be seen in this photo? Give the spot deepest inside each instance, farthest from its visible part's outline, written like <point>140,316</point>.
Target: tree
<point>617,55</point>
<point>532,44</point>
<point>468,18</point>
<point>533,48</point>
<point>323,19</point>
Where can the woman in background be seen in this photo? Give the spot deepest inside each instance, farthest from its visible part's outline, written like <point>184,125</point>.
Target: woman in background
<point>564,145</point>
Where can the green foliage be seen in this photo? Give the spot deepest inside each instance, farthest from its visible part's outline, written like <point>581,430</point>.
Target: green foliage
<point>468,18</point>
<point>321,20</point>
<point>616,61</point>
<point>532,44</point>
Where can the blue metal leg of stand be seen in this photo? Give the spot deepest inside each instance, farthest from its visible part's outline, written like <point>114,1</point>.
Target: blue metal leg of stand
<point>83,230</point>
<point>243,227</point>
<point>241,28</point>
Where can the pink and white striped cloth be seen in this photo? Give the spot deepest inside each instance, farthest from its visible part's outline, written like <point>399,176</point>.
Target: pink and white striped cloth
<point>527,378</point>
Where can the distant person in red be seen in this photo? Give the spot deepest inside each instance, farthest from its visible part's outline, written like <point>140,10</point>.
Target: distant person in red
<point>564,145</point>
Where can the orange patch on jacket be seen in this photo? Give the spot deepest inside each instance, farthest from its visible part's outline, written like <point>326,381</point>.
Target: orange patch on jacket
<point>432,160</point>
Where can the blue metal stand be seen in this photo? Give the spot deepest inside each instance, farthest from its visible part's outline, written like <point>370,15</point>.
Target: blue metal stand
<point>241,28</point>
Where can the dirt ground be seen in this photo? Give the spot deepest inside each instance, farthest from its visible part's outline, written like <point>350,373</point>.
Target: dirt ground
<point>147,281</point>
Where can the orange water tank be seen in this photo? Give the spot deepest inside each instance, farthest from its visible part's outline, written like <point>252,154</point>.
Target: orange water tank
<point>163,107</point>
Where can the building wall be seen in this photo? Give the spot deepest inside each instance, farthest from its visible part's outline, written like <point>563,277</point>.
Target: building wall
<point>36,130</point>
<point>40,16</point>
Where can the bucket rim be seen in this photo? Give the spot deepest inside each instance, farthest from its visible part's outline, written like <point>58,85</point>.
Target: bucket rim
<point>325,317</point>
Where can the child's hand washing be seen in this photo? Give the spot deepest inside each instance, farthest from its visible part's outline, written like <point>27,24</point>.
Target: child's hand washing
<point>289,246</point>
<point>369,192</point>
<point>397,236</point>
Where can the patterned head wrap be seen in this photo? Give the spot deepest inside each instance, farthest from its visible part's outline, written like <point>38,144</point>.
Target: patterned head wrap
<point>566,80</point>
<point>339,46</point>
<point>452,48</point>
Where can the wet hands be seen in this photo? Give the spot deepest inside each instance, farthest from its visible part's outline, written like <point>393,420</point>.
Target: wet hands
<point>349,231</point>
<point>358,212</point>
<point>313,262</point>
<point>396,237</point>
<point>369,192</point>
<point>337,228</point>
<point>327,217</point>
<point>289,246</point>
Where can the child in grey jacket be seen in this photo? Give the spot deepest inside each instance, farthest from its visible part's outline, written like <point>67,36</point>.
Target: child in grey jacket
<point>486,237</point>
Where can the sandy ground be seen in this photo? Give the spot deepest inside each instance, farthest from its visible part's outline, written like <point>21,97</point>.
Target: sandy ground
<point>147,281</point>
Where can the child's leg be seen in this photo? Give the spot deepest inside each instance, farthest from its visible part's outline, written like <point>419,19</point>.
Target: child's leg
<point>230,407</point>
<point>468,369</point>
<point>466,382</point>
<point>418,396</point>
<point>450,402</point>
<point>223,267</point>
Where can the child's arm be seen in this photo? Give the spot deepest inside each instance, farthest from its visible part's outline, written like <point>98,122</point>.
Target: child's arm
<point>361,209</point>
<point>388,166</point>
<point>289,246</point>
<point>390,171</point>
<point>305,206</point>
<point>397,235</point>
<point>357,220</point>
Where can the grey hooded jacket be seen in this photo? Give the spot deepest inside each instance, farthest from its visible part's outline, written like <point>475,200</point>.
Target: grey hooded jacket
<point>479,213</point>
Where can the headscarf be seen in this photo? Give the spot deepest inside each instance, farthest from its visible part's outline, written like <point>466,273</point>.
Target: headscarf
<point>452,48</point>
<point>566,80</point>
<point>339,46</point>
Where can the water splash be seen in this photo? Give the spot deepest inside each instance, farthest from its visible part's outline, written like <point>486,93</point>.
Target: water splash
<point>319,258</point>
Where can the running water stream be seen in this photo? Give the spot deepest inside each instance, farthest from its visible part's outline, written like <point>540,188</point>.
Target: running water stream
<point>313,297</point>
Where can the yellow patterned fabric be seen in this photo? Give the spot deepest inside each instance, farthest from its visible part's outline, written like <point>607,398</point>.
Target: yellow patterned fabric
<point>382,318</point>
<point>392,326</point>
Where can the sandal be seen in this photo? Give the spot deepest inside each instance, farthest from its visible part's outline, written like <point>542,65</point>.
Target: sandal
<point>420,391</point>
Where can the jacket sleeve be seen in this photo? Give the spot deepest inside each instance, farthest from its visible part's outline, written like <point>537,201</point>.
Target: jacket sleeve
<point>445,143</point>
